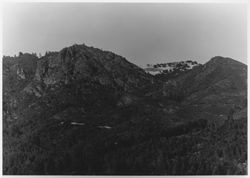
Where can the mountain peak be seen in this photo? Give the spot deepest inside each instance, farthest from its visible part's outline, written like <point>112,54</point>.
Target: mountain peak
<point>80,62</point>
<point>219,60</point>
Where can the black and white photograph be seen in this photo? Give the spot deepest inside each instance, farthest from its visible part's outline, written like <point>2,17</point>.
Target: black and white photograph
<point>124,89</point>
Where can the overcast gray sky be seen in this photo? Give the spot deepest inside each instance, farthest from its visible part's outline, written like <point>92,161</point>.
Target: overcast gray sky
<point>143,33</point>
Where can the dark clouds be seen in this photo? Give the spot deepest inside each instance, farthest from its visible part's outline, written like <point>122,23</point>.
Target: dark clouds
<point>143,33</point>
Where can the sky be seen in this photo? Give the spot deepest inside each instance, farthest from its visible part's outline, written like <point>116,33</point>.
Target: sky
<point>144,33</point>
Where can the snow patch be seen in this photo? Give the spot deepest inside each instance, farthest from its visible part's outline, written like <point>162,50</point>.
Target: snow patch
<point>104,127</point>
<point>169,67</point>
<point>77,123</point>
<point>154,72</point>
<point>72,123</point>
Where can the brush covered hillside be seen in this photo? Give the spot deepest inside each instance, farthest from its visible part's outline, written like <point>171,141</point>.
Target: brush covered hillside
<point>85,111</point>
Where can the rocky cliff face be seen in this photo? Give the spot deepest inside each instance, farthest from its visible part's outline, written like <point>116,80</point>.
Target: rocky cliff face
<point>85,111</point>
<point>17,73</point>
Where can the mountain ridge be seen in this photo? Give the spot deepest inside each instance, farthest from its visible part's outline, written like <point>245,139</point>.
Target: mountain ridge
<point>84,111</point>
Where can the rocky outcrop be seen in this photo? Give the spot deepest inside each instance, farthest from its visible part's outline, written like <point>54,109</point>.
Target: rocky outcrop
<point>80,62</point>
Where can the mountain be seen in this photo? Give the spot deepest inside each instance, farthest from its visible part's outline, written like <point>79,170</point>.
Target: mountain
<point>81,74</point>
<point>85,111</point>
<point>216,87</point>
<point>218,74</point>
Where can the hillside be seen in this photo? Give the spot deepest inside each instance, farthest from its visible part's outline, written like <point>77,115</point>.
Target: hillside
<point>85,111</point>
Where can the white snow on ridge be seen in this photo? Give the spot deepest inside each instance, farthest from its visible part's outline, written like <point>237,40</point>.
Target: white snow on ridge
<point>160,68</point>
<point>190,66</point>
<point>154,72</point>
<point>167,68</point>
